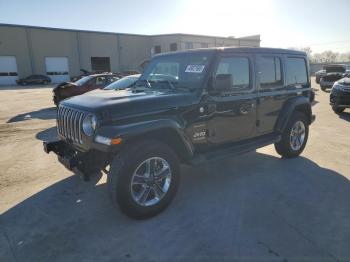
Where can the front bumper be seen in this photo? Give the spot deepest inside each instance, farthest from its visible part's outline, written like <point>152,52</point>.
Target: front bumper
<point>68,157</point>
<point>340,99</point>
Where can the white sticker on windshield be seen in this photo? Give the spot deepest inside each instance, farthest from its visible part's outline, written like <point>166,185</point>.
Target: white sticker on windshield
<point>195,69</point>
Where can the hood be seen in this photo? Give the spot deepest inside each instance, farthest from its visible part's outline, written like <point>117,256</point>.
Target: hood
<point>63,84</point>
<point>335,69</point>
<point>344,81</point>
<point>129,102</point>
<point>332,77</point>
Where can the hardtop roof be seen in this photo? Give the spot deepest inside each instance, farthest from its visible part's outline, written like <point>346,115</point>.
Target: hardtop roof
<point>261,50</point>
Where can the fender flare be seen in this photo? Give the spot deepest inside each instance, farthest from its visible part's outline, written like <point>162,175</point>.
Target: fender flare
<point>151,129</point>
<point>299,103</point>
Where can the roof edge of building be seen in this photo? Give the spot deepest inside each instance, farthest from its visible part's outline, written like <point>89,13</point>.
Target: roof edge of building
<point>252,37</point>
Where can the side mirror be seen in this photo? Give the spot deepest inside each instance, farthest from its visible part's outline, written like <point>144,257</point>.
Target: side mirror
<point>223,82</point>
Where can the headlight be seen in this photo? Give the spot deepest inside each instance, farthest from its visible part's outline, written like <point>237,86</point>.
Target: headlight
<point>89,124</point>
<point>338,87</point>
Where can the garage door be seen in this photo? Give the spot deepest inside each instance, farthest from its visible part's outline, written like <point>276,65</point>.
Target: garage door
<point>57,69</point>
<point>8,70</point>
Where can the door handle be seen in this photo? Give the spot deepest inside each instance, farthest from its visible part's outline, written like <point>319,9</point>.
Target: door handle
<point>246,108</point>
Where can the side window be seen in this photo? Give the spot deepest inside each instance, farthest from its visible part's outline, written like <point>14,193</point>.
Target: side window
<point>296,72</point>
<point>270,72</point>
<point>238,67</point>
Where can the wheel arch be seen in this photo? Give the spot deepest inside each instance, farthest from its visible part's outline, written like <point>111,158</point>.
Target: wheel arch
<point>298,104</point>
<point>167,131</point>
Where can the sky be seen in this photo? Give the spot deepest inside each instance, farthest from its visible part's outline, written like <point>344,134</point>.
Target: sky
<point>319,24</point>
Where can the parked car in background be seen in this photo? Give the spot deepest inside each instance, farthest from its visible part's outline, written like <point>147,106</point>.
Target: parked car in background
<point>83,85</point>
<point>340,95</point>
<point>320,74</point>
<point>333,74</point>
<point>82,74</point>
<point>34,80</point>
<point>123,83</point>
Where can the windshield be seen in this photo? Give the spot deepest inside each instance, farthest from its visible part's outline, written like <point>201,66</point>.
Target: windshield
<point>123,83</point>
<point>176,71</point>
<point>83,80</point>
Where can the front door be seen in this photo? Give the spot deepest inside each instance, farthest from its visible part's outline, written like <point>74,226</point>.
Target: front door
<point>233,112</point>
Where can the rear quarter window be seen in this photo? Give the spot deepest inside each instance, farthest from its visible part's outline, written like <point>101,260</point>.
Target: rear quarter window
<point>296,71</point>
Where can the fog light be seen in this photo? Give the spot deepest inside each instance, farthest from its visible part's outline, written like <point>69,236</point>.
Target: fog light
<point>103,140</point>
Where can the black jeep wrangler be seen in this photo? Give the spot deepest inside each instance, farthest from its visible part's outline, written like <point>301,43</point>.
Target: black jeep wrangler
<point>188,107</point>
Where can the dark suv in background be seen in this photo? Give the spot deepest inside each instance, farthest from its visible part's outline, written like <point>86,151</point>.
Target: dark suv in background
<point>333,73</point>
<point>188,107</point>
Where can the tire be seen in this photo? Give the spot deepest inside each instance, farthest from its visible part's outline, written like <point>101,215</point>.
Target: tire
<point>323,88</point>
<point>338,110</point>
<point>284,147</point>
<point>121,174</point>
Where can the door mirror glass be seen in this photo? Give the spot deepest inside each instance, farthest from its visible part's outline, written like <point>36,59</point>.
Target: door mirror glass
<point>223,82</point>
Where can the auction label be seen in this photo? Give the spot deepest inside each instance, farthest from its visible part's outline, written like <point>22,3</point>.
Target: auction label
<point>195,69</point>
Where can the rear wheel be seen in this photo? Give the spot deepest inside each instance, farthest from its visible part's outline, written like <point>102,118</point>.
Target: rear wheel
<point>338,110</point>
<point>143,178</point>
<point>294,137</point>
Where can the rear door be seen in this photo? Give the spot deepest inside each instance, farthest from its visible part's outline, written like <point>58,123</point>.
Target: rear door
<point>271,91</point>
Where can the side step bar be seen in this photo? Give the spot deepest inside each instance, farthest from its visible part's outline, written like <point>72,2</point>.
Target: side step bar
<point>236,149</point>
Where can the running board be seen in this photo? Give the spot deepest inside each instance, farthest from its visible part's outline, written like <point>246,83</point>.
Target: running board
<point>235,149</point>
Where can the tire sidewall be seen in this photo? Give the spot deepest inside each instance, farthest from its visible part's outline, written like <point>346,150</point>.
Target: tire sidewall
<point>123,193</point>
<point>285,148</point>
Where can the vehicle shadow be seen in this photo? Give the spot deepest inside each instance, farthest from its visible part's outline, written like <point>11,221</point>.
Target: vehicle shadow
<point>47,134</point>
<point>44,114</point>
<point>255,206</point>
<point>345,116</point>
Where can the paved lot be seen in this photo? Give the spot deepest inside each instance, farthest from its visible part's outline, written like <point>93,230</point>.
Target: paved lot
<point>255,207</point>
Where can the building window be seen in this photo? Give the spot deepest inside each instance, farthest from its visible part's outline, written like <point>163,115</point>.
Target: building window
<point>188,45</point>
<point>157,49</point>
<point>173,47</point>
<point>204,45</point>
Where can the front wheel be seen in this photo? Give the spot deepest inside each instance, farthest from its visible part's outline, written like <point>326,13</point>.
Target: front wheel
<point>143,178</point>
<point>338,110</point>
<point>294,137</point>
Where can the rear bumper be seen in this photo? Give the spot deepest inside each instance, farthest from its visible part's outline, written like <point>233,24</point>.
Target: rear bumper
<point>326,84</point>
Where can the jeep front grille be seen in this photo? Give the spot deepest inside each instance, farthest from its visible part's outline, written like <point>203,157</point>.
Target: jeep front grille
<point>69,123</point>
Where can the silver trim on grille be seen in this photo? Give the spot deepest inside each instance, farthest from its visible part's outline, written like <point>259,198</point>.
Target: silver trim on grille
<point>69,123</point>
